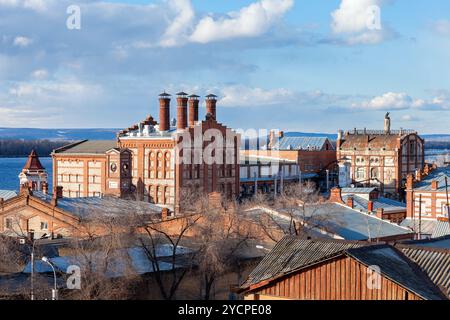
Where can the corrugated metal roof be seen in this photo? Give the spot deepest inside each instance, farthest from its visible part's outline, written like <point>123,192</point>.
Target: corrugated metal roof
<point>350,224</point>
<point>292,254</point>
<point>438,175</point>
<point>442,228</point>
<point>431,227</point>
<point>7,194</point>
<point>111,206</point>
<point>397,268</point>
<point>88,147</point>
<point>336,220</point>
<point>357,190</point>
<point>301,143</point>
<point>381,203</point>
<point>434,262</point>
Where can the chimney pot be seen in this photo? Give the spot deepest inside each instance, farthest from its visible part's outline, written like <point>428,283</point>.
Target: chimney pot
<point>370,206</point>
<point>164,111</point>
<point>434,185</point>
<point>193,109</point>
<point>350,202</point>
<point>335,195</point>
<point>211,105</point>
<point>182,101</point>
<point>380,212</point>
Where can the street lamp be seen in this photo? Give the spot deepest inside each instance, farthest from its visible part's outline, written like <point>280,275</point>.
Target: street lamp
<point>55,289</point>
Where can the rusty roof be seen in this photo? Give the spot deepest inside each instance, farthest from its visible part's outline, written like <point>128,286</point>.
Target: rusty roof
<point>375,141</point>
<point>33,163</point>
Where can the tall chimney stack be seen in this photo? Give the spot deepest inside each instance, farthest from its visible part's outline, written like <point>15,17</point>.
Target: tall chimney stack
<point>211,101</point>
<point>193,109</point>
<point>182,101</point>
<point>164,111</point>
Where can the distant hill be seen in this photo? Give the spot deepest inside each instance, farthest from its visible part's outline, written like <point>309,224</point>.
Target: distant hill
<point>56,134</point>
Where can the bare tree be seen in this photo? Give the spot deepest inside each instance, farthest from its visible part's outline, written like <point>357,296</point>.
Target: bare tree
<point>162,241</point>
<point>221,234</point>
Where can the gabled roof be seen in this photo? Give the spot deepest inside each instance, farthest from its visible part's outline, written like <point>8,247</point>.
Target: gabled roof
<point>33,163</point>
<point>87,147</point>
<point>434,261</point>
<point>301,143</point>
<point>111,206</point>
<point>292,254</point>
<point>398,268</point>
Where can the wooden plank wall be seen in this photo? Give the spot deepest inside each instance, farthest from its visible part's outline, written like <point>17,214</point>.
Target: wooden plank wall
<point>339,279</point>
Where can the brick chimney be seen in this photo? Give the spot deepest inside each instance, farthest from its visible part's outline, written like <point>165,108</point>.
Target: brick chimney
<point>434,185</point>
<point>370,206</point>
<point>409,182</point>
<point>336,195</point>
<point>182,115</point>
<point>350,202</point>
<point>164,214</point>
<point>164,111</point>
<point>211,102</point>
<point>193,109</point>
<point>380,213</point>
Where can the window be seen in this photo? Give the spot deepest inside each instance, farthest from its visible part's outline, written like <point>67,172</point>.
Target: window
<point>360,173</point>
<point>44,225</point>
<point>8,223</point>
<point>374,173</point>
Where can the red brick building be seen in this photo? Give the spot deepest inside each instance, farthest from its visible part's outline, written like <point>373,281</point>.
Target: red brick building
<point>379,158</point>
<point>157,162</point>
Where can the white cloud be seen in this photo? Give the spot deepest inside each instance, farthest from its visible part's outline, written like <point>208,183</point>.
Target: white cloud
<point>250,21</point>
<point>22,41</point>
<point>359,22</point>
<point>240,95</point>
<point>36,5</point>
<point>402,101</point>
<point>181,25</point>
<point>442,27</point>
<point>247,96</point>
<point>40,74</point>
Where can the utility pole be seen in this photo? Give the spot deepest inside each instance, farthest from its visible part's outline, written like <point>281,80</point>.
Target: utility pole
<point>256,183</point>
<point>420,217</point>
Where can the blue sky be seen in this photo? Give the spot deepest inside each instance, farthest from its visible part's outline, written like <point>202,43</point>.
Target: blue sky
<point>304,65</point>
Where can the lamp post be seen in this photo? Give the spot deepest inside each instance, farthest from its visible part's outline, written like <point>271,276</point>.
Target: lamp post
<point>55,289</point>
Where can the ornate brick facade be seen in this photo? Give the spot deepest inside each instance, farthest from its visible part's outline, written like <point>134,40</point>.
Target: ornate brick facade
<point>379,158</point>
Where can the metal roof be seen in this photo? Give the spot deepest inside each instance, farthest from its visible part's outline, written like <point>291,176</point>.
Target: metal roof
<point>438,175</point>
<point>350,224</point>
<point>381,203</point>
<point>110,206</point>
<point>293,254</point>
<point>88,147</point>
<point>431,227</point>
<point>357,190</point>
<point>398,268</point>
<point>7,194</point>
<point>434,262</point>
<point>335,220</point>
<point>300,143</point>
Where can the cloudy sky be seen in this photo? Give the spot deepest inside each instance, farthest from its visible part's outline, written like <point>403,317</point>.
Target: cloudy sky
<point>305,65</point>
